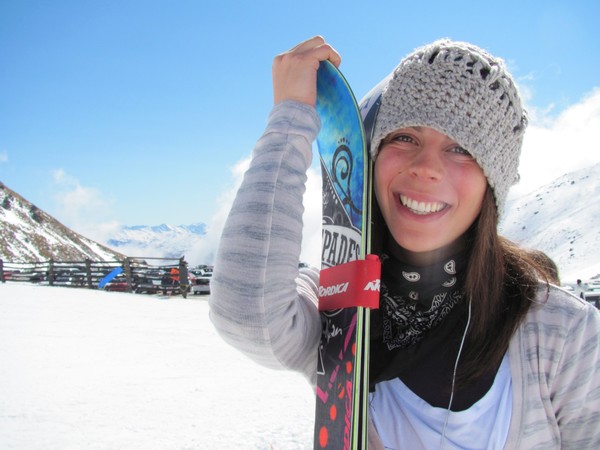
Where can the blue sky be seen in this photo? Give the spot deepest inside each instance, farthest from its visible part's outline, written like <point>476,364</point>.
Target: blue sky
<point>134,112</point>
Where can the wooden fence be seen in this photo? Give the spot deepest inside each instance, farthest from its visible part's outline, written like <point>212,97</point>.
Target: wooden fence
<point>139,275</point>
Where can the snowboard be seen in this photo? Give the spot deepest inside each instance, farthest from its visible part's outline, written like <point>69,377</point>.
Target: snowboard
<point>111,276</point>
<point>349,279</point>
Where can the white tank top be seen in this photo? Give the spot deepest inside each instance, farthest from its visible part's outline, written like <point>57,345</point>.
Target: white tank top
<point>405,421</point>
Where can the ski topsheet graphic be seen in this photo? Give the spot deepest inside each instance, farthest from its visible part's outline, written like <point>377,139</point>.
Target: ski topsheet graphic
<point>349,283</point>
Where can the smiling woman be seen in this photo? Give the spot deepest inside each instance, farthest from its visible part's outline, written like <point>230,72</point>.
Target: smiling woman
<point>472,346</point>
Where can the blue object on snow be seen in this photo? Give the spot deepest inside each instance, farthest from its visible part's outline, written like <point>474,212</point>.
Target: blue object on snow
<point>104,281</point>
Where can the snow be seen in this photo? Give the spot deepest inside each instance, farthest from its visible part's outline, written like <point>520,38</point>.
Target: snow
<point>104,370</point>
<point>158,241</point>
<point>561,219</point>
<point>11,217</point>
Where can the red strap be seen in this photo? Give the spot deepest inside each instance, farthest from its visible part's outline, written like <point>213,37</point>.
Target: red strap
<point>352,284</point>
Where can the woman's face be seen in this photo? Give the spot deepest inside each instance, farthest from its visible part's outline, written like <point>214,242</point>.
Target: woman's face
<point>429,189</point>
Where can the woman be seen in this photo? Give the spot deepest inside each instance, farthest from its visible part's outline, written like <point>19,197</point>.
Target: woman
<point>473,348</point>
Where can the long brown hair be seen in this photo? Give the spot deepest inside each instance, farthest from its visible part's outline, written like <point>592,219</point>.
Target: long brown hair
<point>501,283</point>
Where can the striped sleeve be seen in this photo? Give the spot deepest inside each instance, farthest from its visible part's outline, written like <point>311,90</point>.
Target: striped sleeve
<point>557,381</point>
<point>575,386</point>
<point>260,302</point>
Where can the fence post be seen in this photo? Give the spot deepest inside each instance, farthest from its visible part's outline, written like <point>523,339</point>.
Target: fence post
<point>51,272</point>
<point>127,269</point>
<point>88,272</point>
<point>2,271</point>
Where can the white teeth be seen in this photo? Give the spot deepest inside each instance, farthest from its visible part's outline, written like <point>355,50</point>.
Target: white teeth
<point>421,207</point>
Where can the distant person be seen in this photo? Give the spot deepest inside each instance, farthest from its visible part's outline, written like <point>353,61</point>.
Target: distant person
<point>184,284</point>
<point>175,276</point>
<point>445,149</point>
<point>580,288</point>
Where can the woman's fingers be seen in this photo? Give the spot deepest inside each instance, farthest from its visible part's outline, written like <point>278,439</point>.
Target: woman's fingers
<point>295,71</point>
<point>312,42</point>
<point>323,51</point>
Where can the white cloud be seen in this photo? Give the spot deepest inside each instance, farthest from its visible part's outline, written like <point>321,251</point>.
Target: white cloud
<point>311,239</point>
<point>3,156</point>
<point>83,209</point>
<point>555,145</point>
<point>205,251</point>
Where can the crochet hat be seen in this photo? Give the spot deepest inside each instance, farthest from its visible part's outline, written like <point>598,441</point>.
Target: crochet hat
<point>463,92</point>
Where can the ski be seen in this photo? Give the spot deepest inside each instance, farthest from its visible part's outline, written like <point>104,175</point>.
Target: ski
<point>349,282</point>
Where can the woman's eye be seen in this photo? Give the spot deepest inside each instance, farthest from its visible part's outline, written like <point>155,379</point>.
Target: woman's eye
<point>402,138</point>
<point>461,151</point>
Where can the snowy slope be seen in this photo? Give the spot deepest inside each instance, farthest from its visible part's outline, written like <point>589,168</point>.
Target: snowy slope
<point>103,371</point>
<point>29,234</point>
<point>563,220</point>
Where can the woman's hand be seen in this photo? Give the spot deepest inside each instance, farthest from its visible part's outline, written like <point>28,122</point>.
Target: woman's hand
<point>295,71</point>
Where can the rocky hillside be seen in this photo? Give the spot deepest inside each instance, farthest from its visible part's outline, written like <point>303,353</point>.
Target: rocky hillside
<point>29,234</point>
<point>561,219</point>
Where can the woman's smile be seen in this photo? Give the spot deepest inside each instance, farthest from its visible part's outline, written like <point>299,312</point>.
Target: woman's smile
<point>421,208</point>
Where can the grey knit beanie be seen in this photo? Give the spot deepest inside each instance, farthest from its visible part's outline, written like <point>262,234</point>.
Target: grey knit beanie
<point>465,93</point>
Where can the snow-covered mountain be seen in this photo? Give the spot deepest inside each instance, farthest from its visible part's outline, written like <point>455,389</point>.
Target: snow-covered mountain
<point>29,234</point>
<point>562,219</point>
<point>164,240</point>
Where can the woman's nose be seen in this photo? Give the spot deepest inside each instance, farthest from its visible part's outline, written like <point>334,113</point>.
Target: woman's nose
<point>428,164</point>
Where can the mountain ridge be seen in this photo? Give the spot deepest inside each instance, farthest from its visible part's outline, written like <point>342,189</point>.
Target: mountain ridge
<point>561,219</point>
<point>27,233</point>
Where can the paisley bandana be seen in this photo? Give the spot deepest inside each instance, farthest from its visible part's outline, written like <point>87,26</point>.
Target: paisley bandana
<point>416,299</point>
